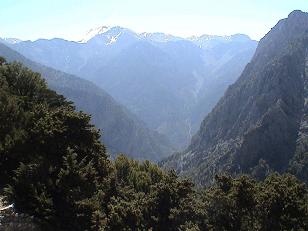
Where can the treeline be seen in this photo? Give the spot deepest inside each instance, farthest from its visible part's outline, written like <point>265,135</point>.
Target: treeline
<point>54,169</point>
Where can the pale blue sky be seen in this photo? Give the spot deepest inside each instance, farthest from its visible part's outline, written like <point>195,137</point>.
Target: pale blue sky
<point>70,19</point>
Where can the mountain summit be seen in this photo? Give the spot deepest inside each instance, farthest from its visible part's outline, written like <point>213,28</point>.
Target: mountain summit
<point>10,40</point>
<point>261,122</point>
<point>108,35</point>
<point>93,32</point>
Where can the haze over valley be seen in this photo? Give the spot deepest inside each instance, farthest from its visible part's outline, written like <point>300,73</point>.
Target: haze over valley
<point>160,78</point>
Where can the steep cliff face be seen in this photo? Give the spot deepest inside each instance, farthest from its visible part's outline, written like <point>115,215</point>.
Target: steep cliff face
<point>254,127</point>
<point>299,163</point>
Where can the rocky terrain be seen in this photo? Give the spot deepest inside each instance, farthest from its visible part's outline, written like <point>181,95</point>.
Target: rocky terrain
<point>256,125</point>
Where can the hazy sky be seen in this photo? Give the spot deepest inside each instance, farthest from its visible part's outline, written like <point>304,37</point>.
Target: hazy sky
<point>70,19</point>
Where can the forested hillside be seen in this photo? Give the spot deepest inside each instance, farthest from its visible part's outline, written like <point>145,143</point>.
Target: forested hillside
<point>126,133</point>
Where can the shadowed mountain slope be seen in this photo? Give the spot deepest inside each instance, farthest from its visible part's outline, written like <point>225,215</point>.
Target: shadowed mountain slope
<point>255,126</point>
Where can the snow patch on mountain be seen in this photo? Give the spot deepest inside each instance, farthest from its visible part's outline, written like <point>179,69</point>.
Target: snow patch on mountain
<point>113,39</point>
<point>208,41</point>
<point>159,37</point>
<point>93,32</point>
<point>10,40</point>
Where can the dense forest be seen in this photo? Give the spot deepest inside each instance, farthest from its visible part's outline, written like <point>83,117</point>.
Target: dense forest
<point>56,172</point>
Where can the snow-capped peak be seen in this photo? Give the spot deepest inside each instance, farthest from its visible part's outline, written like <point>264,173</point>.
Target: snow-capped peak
<point>159,37</point>
<point>234,37</point>
<point>11,40</point>
<point>93,32</point>
<point>204,37</point>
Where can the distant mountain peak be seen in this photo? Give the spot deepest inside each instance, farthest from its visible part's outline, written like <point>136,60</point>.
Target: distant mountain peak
<point>239,37</point>
<point>205,36</point>
<point>93,32</point>
<point>110,35</point>
<point>159,37</point>
<point>234,37</point>
<point>208,41</point>
<point>10,40</point>
<point>296,13</point>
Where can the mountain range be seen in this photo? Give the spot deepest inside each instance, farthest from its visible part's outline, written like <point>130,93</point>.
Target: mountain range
<point>169,83</point>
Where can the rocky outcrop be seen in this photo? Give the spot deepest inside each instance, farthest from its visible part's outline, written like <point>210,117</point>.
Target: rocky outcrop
<point>12,221</point>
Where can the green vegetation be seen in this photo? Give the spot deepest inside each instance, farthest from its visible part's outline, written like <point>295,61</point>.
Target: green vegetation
<point>53,167</point>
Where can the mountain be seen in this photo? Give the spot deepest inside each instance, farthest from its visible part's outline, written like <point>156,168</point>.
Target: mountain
<point>78,58</point>
<point>210,41</point>
<point>122,131</point>
<point>259,125</point>
<point>93,32</point>
<point>160,37</point>
<point>155,84</point>
<point>10,40</point>
<point>170,83</point>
